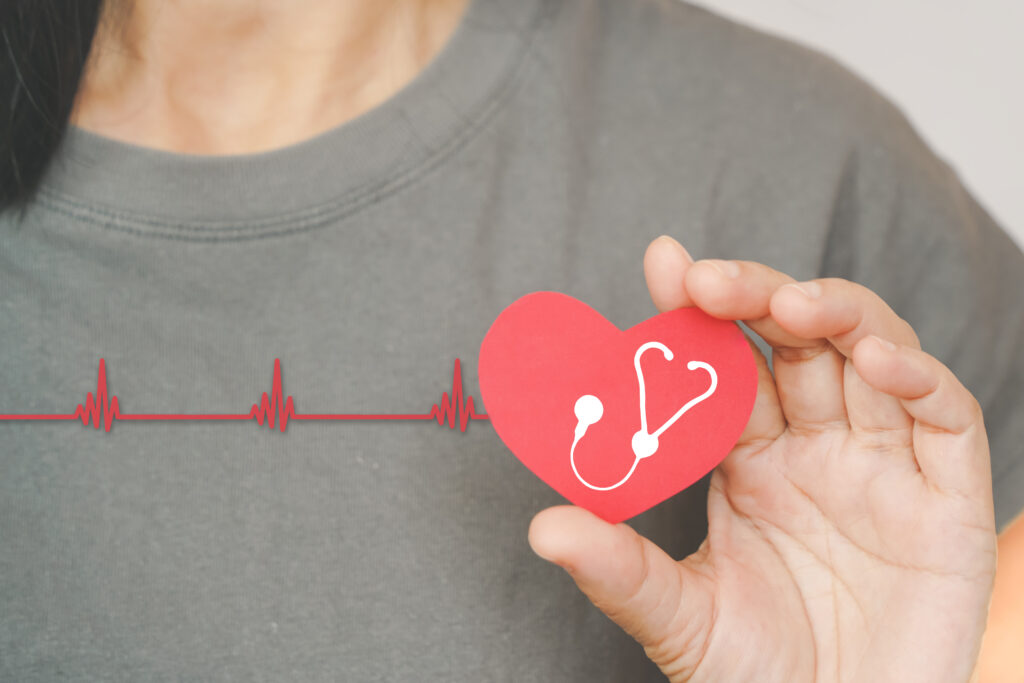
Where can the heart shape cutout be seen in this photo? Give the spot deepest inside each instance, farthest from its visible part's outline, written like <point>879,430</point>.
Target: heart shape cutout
<point>615,420</point>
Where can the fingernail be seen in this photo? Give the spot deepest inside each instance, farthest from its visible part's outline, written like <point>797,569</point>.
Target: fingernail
<point>886,344</point>
<point>810,289</point>
<point>729,269</point>
<point>675,242</point>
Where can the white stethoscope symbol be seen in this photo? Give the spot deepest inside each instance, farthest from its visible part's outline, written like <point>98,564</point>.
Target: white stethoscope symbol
<point>589,410</point>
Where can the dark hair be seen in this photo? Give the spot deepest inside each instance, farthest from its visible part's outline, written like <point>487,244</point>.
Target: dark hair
<point>44,45</point>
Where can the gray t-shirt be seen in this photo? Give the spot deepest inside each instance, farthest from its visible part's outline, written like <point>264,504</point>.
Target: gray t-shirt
<point>543,149</point>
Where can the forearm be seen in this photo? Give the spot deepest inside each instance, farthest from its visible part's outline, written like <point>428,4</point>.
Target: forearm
<point>1002,654</point>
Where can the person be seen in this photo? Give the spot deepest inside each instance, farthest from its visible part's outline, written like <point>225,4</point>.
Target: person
<point>357,189</point>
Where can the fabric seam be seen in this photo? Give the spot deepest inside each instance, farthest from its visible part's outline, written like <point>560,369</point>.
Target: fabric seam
<point>344,207</point>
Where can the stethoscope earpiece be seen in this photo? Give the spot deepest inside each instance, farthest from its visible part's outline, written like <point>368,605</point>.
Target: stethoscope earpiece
<point>589,410</point>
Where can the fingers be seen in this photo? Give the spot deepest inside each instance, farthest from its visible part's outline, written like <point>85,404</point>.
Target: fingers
<point>844,312</point>
<point>664,605</point>
<point>949,438</point>
<point>741,290</point>
<point>841,311</point>
<point>808,370</point>
<point>665,264</point>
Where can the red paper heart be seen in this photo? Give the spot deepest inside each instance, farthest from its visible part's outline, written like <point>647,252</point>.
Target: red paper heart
<point>548,349</point>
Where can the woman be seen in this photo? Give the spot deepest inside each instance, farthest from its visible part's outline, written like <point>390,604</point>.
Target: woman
<point>358,188</point>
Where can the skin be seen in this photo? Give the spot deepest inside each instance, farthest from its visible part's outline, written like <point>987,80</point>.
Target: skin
<point>851,529</point>
<point>245,76</point>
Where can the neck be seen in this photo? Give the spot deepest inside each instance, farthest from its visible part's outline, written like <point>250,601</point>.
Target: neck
<point>244,76</point>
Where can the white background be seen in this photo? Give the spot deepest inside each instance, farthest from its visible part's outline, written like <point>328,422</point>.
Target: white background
<point>955,67</point>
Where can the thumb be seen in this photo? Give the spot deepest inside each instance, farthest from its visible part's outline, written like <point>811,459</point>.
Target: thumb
<point>665,605</point>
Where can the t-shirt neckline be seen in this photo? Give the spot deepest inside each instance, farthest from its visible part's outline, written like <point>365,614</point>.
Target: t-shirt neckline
<point>313,181</point>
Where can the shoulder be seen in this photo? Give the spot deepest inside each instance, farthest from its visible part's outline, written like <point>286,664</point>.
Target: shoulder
<point>681,66</point>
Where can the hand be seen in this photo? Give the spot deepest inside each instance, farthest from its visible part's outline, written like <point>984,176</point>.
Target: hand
<point>851,532</point>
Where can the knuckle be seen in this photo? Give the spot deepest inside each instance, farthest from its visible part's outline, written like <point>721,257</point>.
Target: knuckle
<point>800,354</point>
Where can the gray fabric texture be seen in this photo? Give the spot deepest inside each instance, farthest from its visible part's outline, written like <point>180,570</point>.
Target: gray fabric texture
<point>542,149</point>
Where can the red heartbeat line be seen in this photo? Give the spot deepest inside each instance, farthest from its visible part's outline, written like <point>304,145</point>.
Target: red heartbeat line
<point>272,407</point>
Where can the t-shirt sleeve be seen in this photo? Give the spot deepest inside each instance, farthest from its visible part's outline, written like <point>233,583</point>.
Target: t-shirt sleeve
<point>905,226</point>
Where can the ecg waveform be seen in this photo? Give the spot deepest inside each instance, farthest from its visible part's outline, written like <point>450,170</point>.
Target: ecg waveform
<point>103,409</point>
